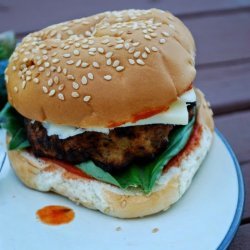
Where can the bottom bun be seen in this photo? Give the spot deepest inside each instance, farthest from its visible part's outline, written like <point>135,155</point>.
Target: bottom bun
<point>49,176</point>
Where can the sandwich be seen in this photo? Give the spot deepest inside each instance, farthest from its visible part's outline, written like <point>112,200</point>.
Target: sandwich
<point>102,110</point>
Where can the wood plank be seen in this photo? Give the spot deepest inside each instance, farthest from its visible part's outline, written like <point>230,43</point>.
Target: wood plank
<point>246,175</point>
<point>235,127</point>
<point>221,38</point>
<point>227,88</point>
<point>242,238</point>
<point>32,15</point>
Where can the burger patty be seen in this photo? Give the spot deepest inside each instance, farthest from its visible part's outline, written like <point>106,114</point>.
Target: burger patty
<point>112,152</point>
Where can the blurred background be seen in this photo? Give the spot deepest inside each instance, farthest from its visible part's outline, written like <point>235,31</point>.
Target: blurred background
<point>222,33</point>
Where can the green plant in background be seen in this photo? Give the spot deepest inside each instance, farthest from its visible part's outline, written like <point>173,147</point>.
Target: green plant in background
<point>7,46</point>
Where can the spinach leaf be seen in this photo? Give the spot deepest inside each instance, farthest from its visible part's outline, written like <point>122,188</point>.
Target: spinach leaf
<point>13,123</point>
<point>3,93</point>
<point>91,169</point>
<point>144,176</point>
<point>7,44</point>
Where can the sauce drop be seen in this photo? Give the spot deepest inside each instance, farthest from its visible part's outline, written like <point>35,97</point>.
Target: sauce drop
<point>55,215</point>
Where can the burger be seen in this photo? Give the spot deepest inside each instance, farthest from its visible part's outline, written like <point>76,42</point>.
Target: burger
<point>103,111</point>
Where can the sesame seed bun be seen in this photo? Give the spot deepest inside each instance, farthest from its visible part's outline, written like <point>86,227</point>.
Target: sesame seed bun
<point>49,176</point>
<point>102,70</point>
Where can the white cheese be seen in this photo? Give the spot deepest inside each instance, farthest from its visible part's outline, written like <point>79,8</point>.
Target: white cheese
<point>176,114</point>
<point>188,96</point>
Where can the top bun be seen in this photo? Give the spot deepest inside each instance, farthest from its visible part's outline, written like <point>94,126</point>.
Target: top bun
<point>103,70</point>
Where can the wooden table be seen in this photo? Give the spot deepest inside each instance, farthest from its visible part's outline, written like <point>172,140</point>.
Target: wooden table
<point>222,33</point>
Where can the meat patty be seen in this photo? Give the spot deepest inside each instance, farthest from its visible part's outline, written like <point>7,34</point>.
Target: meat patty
<point>112,152</point>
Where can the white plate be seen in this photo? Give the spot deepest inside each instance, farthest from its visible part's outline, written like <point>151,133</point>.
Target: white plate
<point>206,217</point>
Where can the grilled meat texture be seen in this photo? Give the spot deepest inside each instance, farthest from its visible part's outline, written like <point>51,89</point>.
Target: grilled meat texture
<point>112,152</point>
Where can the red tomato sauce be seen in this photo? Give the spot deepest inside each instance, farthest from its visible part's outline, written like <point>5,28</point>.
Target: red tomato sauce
<point>55,215</point>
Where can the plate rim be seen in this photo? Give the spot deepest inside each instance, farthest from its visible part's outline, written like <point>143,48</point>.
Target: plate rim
<point>232,230</point>
<point>241,196</point>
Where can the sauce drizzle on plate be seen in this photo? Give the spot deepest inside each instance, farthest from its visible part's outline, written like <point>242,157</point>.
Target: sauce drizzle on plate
<point>55,215</point>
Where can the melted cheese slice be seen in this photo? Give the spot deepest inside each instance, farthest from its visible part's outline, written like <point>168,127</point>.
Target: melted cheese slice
<point>177,114</point>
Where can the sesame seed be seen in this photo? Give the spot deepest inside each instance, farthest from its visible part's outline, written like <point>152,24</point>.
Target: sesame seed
<point>85,46</point>
<point>28,78</point>
<point>109,54</point>
<point>105,41</point>
<point>137,54</point>
<point>116,63</point>
<point>140,62</point>
<point>131,50</point>
<point>90,42</point>
<point>66,55</point>
<point>45,90</point>
<point>59,69</point>
<point>41,69</point>
<point>144,31</point>
<point>55,60</point>
<point>23,84</point>
<point>135,44</point>
<point>101,50</point>
<point>171,26</point>
<point>153,35</point>
<point>45,52</point>
<point>45,58</point>
<point>78,63</point>
<point>70,77</point>
<point>144,55</point>
<point>16,89</point>
<point>66,47</point>
<point>28,72</point>
<point>52,92</point>
<point>50,82</point>
<point>65,71</point>
<point>39,62</point>
<point>96,65</point>
<point>162,40</point>
<point>109,62</point>
<point>69,62</point>
<point>77,45</point>
<point>84,65</point>
<point>164,33</point>
<point>75,85</point>
<point>148,37</point>
<point>90,76</point>
<point>14,68</point>
<point>75,94</point>
<point>147,50</point>
<point>46,64</point>
<point>126,45</point>
<point>92,50</point>
<point>119,46</point>
<point>84,80</point>
<point>154,49</point>
<point>25,59</point>
<point>36,80</point>
<point>61,87</point>
<point>131,61</point>
<point>88,33</point>
<point>119,68</point>
<point>56,79</point>
<point>86,98</point>
<point>61,96</point>
<point>107,77</point>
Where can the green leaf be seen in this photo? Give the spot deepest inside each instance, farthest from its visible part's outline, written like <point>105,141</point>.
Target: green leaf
<point>13,123</point>
<point>91,169</point>
<point>7,44</point>
<point>144,176</point>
